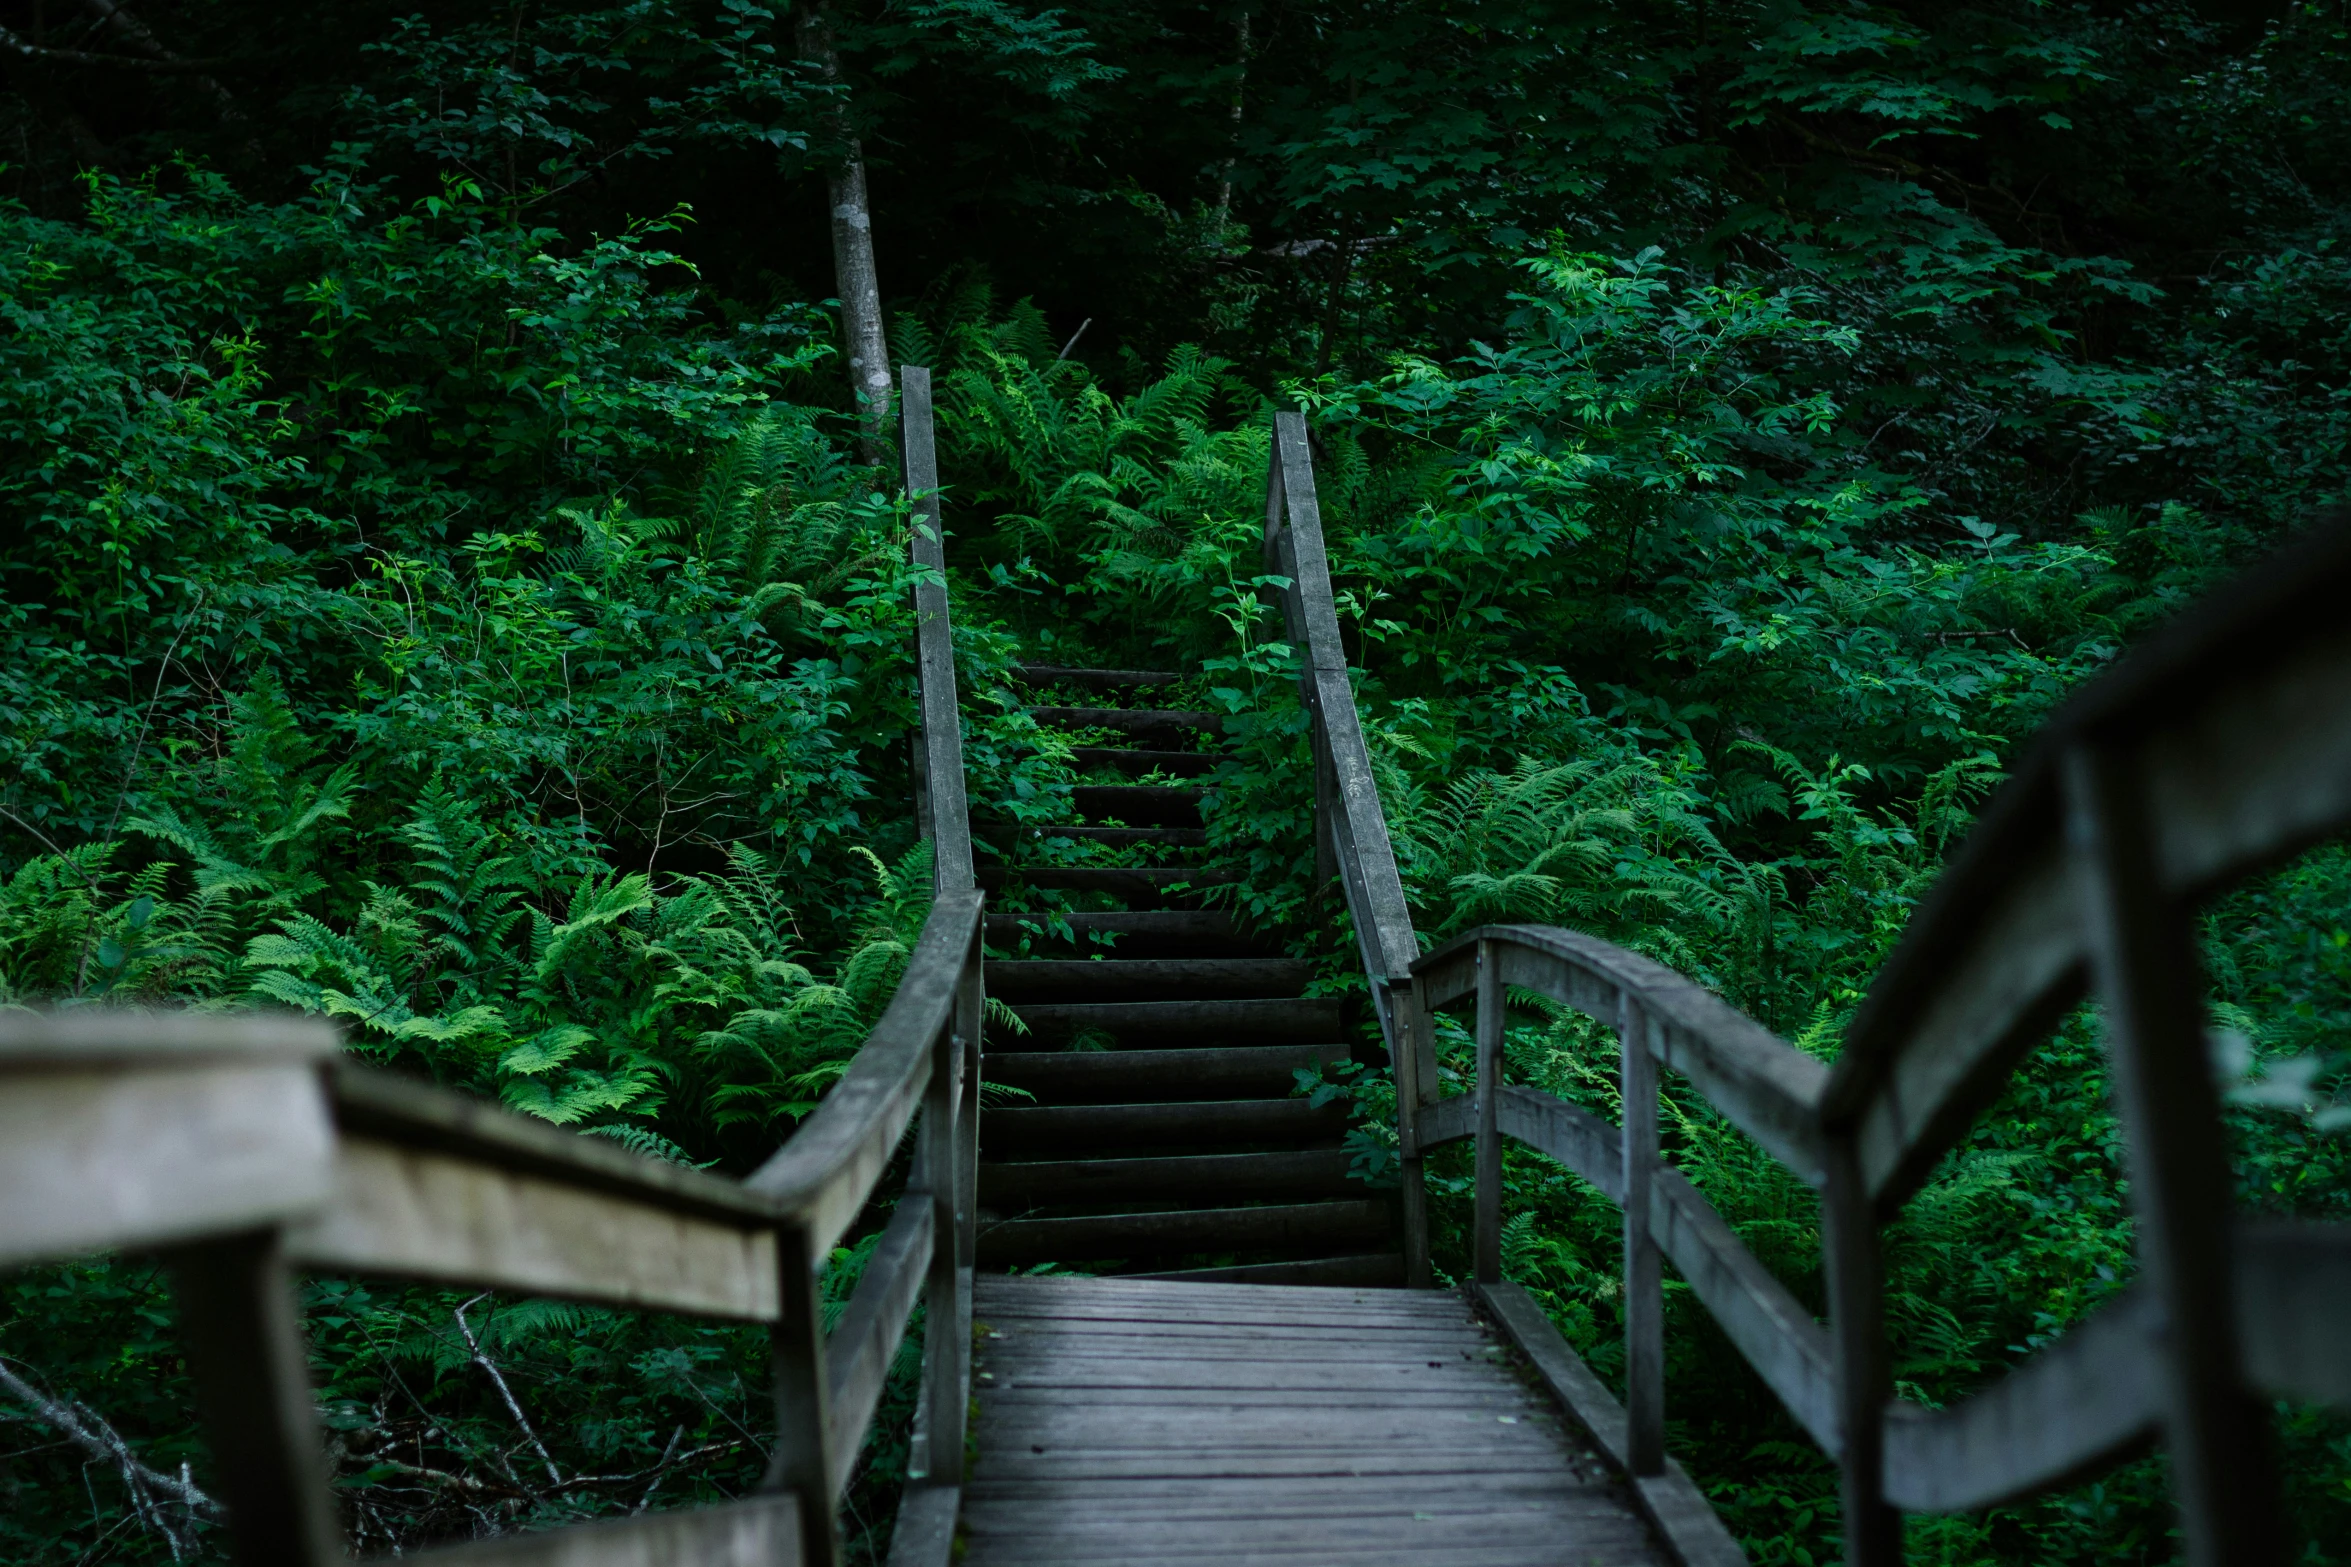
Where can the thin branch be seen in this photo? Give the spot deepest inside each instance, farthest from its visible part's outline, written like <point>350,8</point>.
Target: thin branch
<point>16,43</point>
<point>554,1475</point>
<point>90,1432</point>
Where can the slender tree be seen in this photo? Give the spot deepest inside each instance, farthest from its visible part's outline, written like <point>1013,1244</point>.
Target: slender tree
<point>855,276</point>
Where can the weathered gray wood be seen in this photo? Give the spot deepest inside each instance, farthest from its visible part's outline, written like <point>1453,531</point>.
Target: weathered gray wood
<point>120,1153</point>
<point>1060,1128</point>
<point>1671,1501</point>
<point>1771,1328</point>
<point>2216,1435</point>
<point>1182,1023</point>
<point>801,1462</point>
<point>1096,679</point>
<point>2081,1401</point>
<point>2292,1283</point>
<point>761,1532</point>
<point>1486,1246</point>
<point>1383,919</point>
<point>1320,1172</point>
<point>252,1373</point>
<point>1644,1280</point>
<point>1113,1076</point>
<point>426,1214</point>
<point>2237,716</point>
<point>1412,1071</point>
<point>828,1169</point>
<point>1864,1378</point>
<point>1769,1090</point>
<point>1136,720</point>
<point>924,1535</point>
<point>858,1354</point>
<point>942,721</point>
<point>1276,1227</point>
<point>1032,980</point>
<point>1128,1457</point>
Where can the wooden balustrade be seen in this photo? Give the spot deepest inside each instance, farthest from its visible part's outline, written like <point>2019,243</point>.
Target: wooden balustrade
<point>2217,749</point>
<point>240,1148</point>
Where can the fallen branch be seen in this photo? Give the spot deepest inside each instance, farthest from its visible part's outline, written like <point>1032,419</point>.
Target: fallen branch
<point>87,1430</point>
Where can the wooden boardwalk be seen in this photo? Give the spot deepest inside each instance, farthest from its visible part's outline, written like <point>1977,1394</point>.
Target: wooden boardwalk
<point>1140,1421</point>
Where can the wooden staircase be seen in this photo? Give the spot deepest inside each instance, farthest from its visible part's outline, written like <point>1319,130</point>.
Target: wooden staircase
<point>1164,1138</point>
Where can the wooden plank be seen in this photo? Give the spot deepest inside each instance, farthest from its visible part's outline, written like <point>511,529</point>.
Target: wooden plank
<point>426,1214</point>
<point>828,1169</point>
<point>120,1154</point>
<point>1139,805</point>
<point>1572,1135</point>
<point>1135,760</point>
<point>763,1531</point>
<point>1771,1328</point>
<point>858,1354</point>
<point>1486,1220</point>
<point>942,721</point>
<point>1671,1501</point>
<point>1275,1227</point>
<point>1768,1089</point>
<point>251,1370</point>
<point>924,1535</point>
<point>1026,1129</point>
<point>2079,1402</point>
<point>2217,1437</point>
<point>1133,720</point>
<point>1241,1071</point>
<point>1644,1286</point>
<point>1095,679</point>
<point>1185,1023</point>
<point>1382,1268</point>
<point>1318,1172</point>
<point>1031,980</point>
<point>398,1111</point>
<point>2292,1282</point>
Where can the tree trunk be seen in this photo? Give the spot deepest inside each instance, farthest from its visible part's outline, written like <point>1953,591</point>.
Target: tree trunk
<point>1224,181</point>
<point>855,277</point>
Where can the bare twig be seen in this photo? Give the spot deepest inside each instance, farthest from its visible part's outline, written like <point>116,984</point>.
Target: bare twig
<point>90,1432</point>
<point>554,1475</point>
<point>17,43</point>
<point>146,721</point>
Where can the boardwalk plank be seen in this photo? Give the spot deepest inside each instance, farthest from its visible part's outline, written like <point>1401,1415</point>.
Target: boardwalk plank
<point>1137,1421</point>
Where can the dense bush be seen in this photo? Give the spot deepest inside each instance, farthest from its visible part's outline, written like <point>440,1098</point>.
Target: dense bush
<point>435,594</point>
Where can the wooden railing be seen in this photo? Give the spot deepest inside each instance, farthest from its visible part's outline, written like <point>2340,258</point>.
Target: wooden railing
<point>2217,749</point>
<point>242,1148</point>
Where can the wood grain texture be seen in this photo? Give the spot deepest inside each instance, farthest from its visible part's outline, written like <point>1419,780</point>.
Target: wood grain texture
<point>761,1532</point>
<point>1134,1421</point>
<point>428,1214</point>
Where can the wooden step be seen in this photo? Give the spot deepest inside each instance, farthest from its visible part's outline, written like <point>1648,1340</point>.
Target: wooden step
<point>1364,1270</point>
<point>1134,933</point>
<point>1130,837</point>
<point>1141,884</point>
<point>1094,679</point>
<point>1176,764</point>
<point>1213,1177</point>
<point>1128,1077</point>
<point>1023,1129</point>
<point>1298,1228</point>
<point>1132,720</point>
<point>1140,805</point>
<point>1144,979</point>
<point>1181,1024</point>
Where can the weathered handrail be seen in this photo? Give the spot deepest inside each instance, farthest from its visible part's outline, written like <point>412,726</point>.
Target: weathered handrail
<point>241,1148</point>
<point>1350,830</point>
<point>2220,747</point>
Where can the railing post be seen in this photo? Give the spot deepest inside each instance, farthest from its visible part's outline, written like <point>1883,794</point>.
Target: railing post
<point>2151,985</point>
<point>1405,1060</point>
<point>1489,1149</point>
<point>802,1463</point>
<point>1857,1325</point>
<point>252,1380</point>
<point>1644,1287</point>
<point>935,1456</point>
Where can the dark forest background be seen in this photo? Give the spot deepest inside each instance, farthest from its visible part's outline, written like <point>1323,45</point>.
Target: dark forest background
<point>448,584</point>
